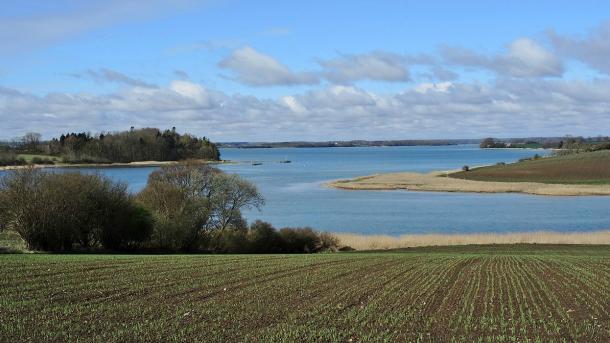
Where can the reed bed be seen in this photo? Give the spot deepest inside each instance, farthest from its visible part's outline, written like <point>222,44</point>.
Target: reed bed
<point>384,242</point>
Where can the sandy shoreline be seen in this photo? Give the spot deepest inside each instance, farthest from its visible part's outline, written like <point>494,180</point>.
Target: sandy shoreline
<point>139,164</point>
<point>384,242</point>
<point>438,182</point>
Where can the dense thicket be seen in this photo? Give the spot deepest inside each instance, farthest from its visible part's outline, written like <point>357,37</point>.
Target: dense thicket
<point>147,144</point>
<point>262,238</point>
<point>57,212</point>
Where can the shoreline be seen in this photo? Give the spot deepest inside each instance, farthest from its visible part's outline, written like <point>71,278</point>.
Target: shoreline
<point>139,164</point>
<point>439,182</point>
<point>386,242</point>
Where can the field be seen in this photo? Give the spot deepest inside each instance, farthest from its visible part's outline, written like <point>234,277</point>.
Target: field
<point>584,168</point>
<point>468,293</point>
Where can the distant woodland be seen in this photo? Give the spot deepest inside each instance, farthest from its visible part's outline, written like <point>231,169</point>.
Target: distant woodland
<point>566,144</point>
<point>148,144</point>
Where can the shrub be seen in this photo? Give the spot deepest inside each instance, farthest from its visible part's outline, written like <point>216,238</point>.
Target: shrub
<point>129,226</point>
<point>346,248</point>
<point>465,168</point>
<point>298,240</point>
<point>11,159</point>
<point>40,160</point>
<point>233,241</point>
<point>55,211</point>
<point>328,242</point>
<point>72,158</point>
<point>264,238</point>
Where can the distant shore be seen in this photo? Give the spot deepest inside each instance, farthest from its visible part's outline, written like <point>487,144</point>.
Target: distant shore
<point>439,182</point>
<point>139,164</point>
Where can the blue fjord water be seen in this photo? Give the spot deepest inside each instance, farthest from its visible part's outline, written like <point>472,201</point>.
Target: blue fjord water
<point>295,194</point>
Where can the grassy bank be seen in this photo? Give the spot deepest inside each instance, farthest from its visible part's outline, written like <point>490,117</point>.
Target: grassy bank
<point>592,168</point>
<point>505,293</point>
<point>383,242</point>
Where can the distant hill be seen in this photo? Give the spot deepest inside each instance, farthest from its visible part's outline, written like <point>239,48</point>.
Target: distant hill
<point>352,143</point>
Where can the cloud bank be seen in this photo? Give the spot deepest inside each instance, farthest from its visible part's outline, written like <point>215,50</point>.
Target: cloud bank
<point>509,106</point>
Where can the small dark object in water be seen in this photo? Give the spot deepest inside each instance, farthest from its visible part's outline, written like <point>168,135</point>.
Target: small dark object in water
<point>286,161</point>
<point>256,163</point>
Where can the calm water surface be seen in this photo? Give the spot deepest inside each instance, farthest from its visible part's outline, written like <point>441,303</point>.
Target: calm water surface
<point>295,194</point>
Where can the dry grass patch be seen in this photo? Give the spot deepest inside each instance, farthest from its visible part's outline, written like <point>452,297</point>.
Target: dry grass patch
<point>440,182</point>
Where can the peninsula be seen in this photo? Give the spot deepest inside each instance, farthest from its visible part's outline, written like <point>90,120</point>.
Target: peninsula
<point>586,173</point>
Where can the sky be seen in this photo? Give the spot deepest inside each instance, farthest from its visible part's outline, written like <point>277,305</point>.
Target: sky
<point>308,70</point>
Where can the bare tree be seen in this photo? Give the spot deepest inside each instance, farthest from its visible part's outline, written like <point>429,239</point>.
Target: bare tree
<point>189,201</point>
<point>31,141</point>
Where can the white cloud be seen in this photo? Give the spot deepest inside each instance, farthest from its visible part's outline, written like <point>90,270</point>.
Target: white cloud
<point>109,75</point>
<point>188,89</point>
<point>523,58</point>
<point>337,97</point>
<point>433,87</point>
<point>372,66</point>
<point>254,68</point>
<point>592,49</point>
<point>293,104</point>
<point>526,58</point>
<point>257,69</point>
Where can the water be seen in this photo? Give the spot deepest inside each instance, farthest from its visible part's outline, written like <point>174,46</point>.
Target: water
<point>295,194</point>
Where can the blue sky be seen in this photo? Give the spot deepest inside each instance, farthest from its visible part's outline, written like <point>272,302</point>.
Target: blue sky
<point>317,70</point>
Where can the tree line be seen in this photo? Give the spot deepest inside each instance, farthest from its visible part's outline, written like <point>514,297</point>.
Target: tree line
<point>564,143</point>
<point>148,144</point>
<point>183,208</point>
